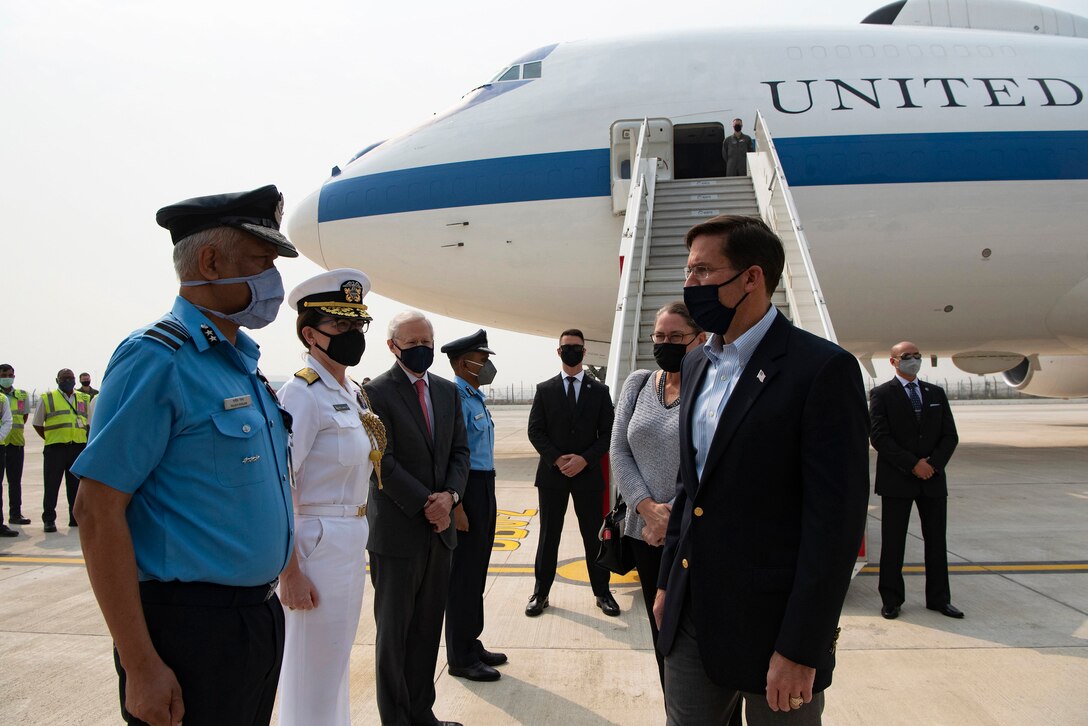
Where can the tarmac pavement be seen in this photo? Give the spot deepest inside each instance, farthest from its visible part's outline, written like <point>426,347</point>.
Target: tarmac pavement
<point>1018,546</point>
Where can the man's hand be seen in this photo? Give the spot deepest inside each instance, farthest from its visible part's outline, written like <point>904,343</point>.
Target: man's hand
<point>152,694</point>
<point>437,509</point>
<point>297,592</point>
<point>656,516</point>
<point>573,465</point>
<point>562,461</point>
<point>785,679</point>
<point>659,608</point>
<point>460,519</point>
<point>923,469</point>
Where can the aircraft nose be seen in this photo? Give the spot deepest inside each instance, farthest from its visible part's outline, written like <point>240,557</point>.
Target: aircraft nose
<point>302,228</point>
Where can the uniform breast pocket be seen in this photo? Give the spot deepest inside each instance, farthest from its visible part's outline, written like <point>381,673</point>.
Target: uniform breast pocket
<point>240,447</point>
<point>480,421</point>
<point>352,443</point>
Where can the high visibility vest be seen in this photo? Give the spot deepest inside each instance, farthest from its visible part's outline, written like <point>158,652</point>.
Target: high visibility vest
<point>62,424</point>
<point>20,409</point>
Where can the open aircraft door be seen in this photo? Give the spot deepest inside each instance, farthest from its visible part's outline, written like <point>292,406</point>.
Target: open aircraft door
<point>623,138</point>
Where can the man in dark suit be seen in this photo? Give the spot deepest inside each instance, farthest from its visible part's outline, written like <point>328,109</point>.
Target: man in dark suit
<point>914,435</point>
<point>570,426</point>
<point>421,478</point>
<point>771,507</point>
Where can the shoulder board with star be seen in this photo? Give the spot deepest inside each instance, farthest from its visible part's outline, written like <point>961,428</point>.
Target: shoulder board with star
<point>167,332</point>
<point>309,375</point>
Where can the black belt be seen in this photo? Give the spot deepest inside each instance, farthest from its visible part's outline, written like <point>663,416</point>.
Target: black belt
<point>205,594</point>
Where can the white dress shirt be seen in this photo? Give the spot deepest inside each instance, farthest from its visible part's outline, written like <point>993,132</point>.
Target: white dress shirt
<point>577,383</point>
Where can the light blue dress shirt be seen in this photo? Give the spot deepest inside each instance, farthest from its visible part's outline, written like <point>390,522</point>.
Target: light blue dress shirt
<point>478,426</point>
<point>186,427</point>
<point>727,362</point>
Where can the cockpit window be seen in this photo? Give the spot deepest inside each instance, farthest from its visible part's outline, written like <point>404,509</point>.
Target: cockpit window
<point>531,70</point>
<point>512,74</point>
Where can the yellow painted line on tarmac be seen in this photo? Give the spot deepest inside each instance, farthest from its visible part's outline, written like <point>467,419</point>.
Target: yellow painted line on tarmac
<point>20,560</point>
<point>576,569</point>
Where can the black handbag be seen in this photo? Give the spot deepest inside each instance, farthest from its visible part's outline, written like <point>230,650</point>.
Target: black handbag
<point>615,553</point>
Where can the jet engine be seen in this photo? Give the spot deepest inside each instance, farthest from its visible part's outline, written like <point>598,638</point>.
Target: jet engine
<point>1064,376</point>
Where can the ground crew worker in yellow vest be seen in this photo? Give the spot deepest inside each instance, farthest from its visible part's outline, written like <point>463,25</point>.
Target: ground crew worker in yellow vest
<point>61,419</point>
<point>11,450</point>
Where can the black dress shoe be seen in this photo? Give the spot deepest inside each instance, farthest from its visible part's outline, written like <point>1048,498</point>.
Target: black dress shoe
<point>50,527</point>
<point>492,659</point>
<point>476,672</point>
<point>948,610</point>
<point>889,613</point>
<point>608,605</point>
<point>72,523</point>
<point>6,531</point>
<point>18,519</point>
<point>536,605</point>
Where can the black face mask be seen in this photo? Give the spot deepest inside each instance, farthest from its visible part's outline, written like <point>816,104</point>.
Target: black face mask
<point>66,385</point>
<point>572,355</point>
<point>417,359</point>
<point>737,127</point>
<point>707,310</point>
<point>670,356</point>
<point>345,348</point>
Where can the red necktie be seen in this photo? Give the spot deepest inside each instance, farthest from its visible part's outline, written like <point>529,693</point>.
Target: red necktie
<point>421,389</point>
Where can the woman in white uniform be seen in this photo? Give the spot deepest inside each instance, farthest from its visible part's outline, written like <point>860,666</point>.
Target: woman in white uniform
<point>336,440</point>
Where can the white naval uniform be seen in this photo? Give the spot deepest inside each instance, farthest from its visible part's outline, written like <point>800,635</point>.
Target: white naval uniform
<point>330,453</point>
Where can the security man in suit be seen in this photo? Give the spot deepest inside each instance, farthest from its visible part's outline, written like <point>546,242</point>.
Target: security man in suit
<point>570,426</point>
<point>769,516</point>
<point>61,419</point>
<point>12,446</point>
<point>423,476</point>
<point>474,517</point>
<point>914,435</point>
<point>185,499</point>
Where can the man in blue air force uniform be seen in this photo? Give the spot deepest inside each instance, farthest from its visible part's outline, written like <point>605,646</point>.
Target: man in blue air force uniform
<point>184,503</point>
<point>474,516</point>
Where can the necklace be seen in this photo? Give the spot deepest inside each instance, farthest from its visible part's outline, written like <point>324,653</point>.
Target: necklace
<point>661,392</point>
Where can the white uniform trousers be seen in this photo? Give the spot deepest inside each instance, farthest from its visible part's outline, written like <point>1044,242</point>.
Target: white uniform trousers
<point>314,681</point>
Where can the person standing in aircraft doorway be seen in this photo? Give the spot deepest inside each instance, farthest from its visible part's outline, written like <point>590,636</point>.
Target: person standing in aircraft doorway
<point>735,150</point>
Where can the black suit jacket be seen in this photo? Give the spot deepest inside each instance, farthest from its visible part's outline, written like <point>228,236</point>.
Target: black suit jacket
<point>555,430</point>
<point>414,465</point>
<point>766,540</point>
<point>901,440</point>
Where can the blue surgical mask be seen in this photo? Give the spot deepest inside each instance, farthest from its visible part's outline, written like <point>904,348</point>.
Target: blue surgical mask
<point>7,382</point>
<point>266,297</point>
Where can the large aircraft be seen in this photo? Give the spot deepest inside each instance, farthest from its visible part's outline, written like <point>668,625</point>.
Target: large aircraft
<point>937,154</point>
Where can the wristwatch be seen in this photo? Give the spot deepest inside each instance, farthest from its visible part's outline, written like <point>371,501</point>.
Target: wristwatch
<point>456,497</point>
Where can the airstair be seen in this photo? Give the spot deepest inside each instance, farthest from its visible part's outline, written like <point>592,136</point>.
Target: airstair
<point>652,251</point>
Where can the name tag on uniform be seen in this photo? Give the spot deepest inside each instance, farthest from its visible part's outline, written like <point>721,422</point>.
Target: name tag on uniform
<point>341,407</point>
<point>477,417</point>
<point>229,404</point>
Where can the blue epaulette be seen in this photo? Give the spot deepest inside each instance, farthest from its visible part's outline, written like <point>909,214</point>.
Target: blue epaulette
<point>168,332</point>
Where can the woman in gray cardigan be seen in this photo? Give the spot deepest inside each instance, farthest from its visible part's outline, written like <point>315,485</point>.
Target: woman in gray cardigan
<point>645,451</point>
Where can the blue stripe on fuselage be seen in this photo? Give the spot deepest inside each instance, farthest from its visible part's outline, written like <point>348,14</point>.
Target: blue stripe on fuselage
<point>807,161</point>
<point>921,158</point>
<point>562,175</point>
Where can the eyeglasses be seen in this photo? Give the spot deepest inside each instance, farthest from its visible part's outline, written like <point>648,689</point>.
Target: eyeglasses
<point>911,356</point>
<point>343,325</point>
<point>701,272</point>
<point>671,337</point>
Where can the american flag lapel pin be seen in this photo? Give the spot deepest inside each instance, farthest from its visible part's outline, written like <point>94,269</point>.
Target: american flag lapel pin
<point>761,375</point>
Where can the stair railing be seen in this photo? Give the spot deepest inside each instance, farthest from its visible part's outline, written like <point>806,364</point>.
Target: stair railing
<point>635,241</point>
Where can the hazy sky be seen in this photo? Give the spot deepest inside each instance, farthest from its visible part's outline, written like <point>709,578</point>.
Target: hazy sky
<point>114,109</point>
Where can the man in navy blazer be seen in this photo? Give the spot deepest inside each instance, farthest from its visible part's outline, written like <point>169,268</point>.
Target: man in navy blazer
<point>914,435</point>
<point>771,506</point>
<point>570,426</point>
